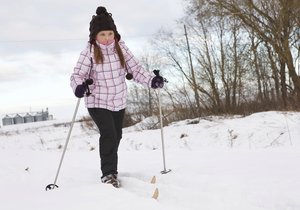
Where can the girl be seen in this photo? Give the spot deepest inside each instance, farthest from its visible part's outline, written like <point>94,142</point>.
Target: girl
<point>99,76</point>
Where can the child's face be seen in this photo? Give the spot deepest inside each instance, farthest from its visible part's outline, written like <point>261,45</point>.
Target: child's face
<point>105,37</point>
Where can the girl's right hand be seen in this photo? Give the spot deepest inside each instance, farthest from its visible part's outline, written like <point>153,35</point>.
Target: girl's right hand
<point>80,90</point>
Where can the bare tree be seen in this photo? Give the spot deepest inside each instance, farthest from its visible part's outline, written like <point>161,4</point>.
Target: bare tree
<point>273,21</point>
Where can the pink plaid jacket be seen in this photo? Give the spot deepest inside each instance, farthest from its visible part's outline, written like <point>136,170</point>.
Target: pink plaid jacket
<point>109,90</point>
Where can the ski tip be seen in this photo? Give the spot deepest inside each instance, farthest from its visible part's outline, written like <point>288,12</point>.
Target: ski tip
<point>155,194</point>
<point>153,180</point>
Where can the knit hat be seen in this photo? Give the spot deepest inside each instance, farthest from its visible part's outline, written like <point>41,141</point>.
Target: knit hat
<point>101,22</point>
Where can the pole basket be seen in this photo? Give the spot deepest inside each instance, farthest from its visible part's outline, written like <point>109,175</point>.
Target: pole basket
<point>51,187</point>
<point>165,171</point>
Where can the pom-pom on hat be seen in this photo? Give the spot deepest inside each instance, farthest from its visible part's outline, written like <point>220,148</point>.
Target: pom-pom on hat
<point>102,21</point>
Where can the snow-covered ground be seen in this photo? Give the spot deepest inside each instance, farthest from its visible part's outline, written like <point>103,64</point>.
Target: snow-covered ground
<point>220,163</point>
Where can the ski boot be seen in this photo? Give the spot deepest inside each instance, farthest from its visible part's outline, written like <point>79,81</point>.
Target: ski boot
<point>111,179</point>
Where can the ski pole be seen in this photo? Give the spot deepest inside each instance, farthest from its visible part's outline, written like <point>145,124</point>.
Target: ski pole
<point>52,186</point>
<point>165,171</point>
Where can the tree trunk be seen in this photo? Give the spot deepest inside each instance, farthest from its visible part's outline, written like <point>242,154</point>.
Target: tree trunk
<point>282,83</point>
<point>275,73</point>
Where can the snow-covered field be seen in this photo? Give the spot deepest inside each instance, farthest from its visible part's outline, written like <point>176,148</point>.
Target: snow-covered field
<point>220,163</point>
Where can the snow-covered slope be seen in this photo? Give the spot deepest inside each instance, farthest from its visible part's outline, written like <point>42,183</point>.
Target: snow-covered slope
<point>219,163</point>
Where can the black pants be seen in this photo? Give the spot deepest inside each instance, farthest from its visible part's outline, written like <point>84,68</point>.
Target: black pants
<point>109,124</point>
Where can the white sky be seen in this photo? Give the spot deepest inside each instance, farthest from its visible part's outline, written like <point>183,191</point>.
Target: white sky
<point>40,42</point>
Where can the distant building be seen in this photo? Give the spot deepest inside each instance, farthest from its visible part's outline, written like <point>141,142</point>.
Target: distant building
<point>29,117</point>
<point>18,119</point>
<point>7,120</point>
<point>38,117</point>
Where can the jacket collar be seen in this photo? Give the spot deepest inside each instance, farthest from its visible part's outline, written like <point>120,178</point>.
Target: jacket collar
<point>107,48</point>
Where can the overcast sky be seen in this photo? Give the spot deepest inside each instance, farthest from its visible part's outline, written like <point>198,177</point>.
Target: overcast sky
<point>40,42</point>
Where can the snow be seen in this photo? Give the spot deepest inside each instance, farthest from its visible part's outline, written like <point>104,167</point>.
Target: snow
<point>229,162</point>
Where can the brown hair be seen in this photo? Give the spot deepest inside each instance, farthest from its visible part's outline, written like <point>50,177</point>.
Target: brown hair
<point>99,58</point>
